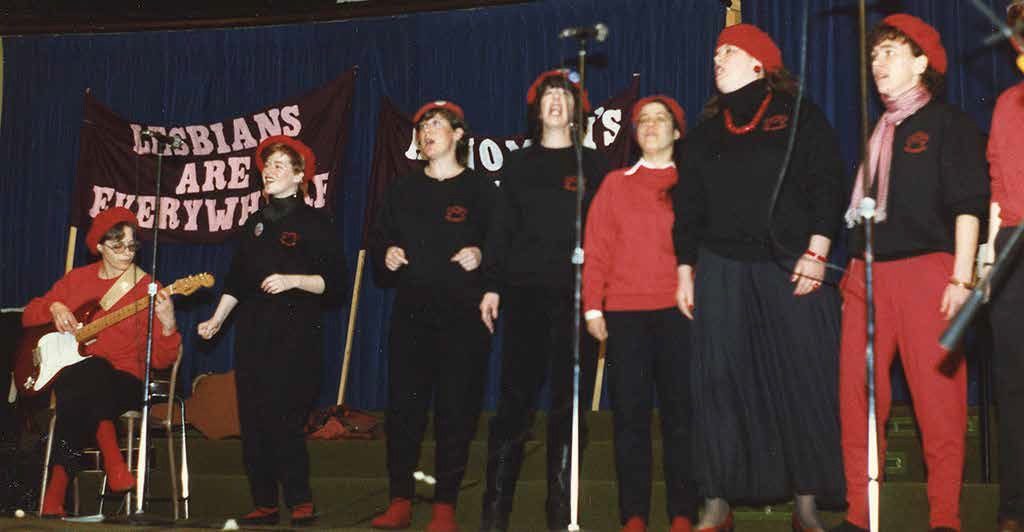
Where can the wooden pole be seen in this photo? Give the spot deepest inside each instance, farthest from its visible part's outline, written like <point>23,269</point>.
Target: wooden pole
<point>353,309</point>
<point>69,261</point>
<point>595,404</point>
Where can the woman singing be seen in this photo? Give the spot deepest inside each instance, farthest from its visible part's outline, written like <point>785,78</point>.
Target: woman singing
<point>766,332</point>
<point>427,239</point>
<point>629,288</point>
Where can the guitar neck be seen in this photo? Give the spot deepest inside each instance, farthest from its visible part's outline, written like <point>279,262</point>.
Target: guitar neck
<point>94,328</point>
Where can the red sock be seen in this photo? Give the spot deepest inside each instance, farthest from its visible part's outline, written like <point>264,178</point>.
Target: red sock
<point>119,477</point>
<point>443,519</point>
<point>397,516</point>
<point>53,501</point>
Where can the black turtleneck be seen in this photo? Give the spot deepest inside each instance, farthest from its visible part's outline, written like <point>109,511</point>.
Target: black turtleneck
<point>535,216</point>
<point>726,181</point>
<point>287,236</point>
<point>278,208</point>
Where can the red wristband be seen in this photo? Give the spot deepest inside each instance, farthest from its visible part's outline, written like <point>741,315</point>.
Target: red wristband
<point>815,256</point>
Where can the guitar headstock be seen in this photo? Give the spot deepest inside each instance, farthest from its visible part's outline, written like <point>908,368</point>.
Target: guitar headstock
<point>188,285</point>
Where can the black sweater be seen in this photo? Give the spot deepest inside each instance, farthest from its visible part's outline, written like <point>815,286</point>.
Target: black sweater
<point>726,181</point>
<point>938,173</point>
<point>534,218</point>
<point>432,220</point>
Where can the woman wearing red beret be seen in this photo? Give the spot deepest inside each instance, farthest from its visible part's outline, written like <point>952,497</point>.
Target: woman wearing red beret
<point>288,265</point>
<point>94,392</point>
<point>629,287</point>
<point>427,242</point>
<point>528,274</point>
<point>926,170</point>
<point>765,329</point>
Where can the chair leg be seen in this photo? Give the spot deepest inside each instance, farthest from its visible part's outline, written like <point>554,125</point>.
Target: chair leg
<point>184,460</point>
<point>49,451</point>
<point>103,492</point>
<point>172,463</point>
<point>74,493</point>
<point>131,447</point>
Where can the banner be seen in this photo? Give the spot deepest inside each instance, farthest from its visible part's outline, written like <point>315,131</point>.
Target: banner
<point>209,184</point>
<point>395,153</point>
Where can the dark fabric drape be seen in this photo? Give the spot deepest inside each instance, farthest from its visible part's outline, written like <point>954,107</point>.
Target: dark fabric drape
<point>976,75</point>
<point>482,58</point>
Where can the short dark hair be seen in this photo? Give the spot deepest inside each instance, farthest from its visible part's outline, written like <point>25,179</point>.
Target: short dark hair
<point>932,79</point>
<point>533,109</point>
<point>116,231</point>
<point>462,146</point>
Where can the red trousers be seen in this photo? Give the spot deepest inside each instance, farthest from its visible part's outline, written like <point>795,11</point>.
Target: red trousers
<point>908,293</point>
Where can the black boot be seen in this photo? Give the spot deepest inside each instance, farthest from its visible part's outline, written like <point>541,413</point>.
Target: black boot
<point>559,469</point>
<point>503,463</point>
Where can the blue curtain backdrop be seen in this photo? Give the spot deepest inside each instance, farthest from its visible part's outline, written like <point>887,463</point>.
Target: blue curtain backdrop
<point>482,58</point>
<point>976,75</point>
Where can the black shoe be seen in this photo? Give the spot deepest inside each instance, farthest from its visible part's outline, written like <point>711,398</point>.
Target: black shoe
<point>847,526</point>
<point>493,521</point>
<point>260,516</point>
<point>504,459</point>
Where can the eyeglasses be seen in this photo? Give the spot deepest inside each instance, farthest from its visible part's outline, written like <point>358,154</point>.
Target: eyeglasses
<point>118,247</point>
<point>433,123</point>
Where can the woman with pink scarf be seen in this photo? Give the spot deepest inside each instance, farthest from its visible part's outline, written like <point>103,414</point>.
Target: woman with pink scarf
<point>926,169</point>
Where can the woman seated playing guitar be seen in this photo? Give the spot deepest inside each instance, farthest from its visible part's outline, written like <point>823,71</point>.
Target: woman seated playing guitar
<point>94,392</point>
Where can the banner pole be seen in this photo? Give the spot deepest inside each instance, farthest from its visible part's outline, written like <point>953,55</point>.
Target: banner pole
<point>352,311</point>
<point>595,403</point>
<point>69,261</point>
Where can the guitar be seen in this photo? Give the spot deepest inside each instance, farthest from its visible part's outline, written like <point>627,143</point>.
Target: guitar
<point>43,352</point>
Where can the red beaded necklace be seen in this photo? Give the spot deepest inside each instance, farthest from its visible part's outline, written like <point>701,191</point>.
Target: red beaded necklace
<point>748,127</point>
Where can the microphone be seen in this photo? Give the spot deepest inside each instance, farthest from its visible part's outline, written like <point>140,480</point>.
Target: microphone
<point>173,140</point>
<point>598,32</point>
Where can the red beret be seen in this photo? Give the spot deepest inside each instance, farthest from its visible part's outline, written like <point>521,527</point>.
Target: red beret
<point>924,36</point>
<point>103,222</point>
<point>755,42</point>
<point>438,104</point>
<point>670,103</point>
<point>300,147</point>
<point>531,93</point>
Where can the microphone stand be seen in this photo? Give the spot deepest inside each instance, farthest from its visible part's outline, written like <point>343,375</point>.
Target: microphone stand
<point>867,213</point>
<point>142,466</point>
<point>577,261</point>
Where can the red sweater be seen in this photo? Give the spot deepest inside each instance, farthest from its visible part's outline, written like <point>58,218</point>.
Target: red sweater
<point>1005,143</point>
<point>630,261</point>
<point>123,344</point>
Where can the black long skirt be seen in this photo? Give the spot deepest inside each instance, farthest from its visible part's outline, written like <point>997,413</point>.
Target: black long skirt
<point>764,383</point>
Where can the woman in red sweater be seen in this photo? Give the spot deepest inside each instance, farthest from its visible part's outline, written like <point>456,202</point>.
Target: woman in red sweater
<point>95,391</point>
<point>629,287</point>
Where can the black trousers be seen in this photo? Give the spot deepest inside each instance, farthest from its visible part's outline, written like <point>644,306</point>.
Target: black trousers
<point>537,344</point>
<point>1008,357</point>
<point>438,351</point>
<point>87,393</point>
<point>648,351</point>
<point>277,373</point>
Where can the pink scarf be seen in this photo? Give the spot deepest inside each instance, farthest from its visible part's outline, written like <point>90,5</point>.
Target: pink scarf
<point>880,150</point>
